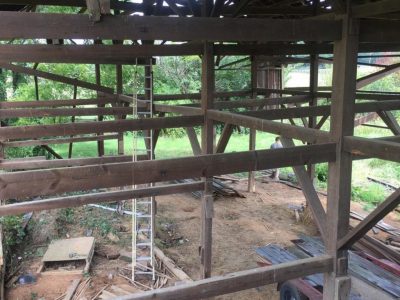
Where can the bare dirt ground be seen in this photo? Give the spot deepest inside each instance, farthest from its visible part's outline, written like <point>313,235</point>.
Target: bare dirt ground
<point>240,225</point>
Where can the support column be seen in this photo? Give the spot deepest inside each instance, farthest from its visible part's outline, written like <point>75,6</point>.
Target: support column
<point>252,137</point>
<point>337,283</point>
<point>207,141</point>
<point>118,72</point>
<point>312,120</point>
<point>100,144</point>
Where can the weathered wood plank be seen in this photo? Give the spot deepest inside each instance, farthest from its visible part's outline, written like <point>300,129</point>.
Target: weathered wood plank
<point>238,281</point>
<point>309,193</point>
<point>371,220</point>
<point>55,77</point>
<point>54,103</point>
<point>28,143</point>
<point>339,172</point>
<point>358,146</point>
<point>41,162</point>
<point>80,200</point>
<point>40,131</point>
<point>296,132</point>
<point>75,26</point>
<point>63,112</point>
<point>53,181</point>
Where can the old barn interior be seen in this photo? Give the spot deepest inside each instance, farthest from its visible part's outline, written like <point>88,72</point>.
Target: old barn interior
<point>271,33</point>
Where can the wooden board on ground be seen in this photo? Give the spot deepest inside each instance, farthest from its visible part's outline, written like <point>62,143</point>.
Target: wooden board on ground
<point>69,250</point>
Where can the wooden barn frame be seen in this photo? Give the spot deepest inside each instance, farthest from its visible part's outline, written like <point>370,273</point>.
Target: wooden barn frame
<point>267,30</point>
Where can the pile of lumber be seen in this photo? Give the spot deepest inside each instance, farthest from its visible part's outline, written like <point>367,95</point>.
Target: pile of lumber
<point>219,188</point>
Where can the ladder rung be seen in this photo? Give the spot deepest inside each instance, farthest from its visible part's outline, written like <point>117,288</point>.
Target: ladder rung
<point>143,202</point>
<point>143,272</point>
<point>142,258</point>
<point>147,244</point>
<point>144,230</point>
<point>143,216</point>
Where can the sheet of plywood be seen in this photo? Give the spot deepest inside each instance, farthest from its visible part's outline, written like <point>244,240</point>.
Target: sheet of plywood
<point>69,249</point>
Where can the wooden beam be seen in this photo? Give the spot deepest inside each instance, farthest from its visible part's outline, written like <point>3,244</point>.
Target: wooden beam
<point>47,182</point>
<point>60,141</point>
<point>21,25</point>
<point>368,79</point>
<point>40,131</point>
<point>194,142</point>
<point>389,119</point>
<point>91,54</point>
<point>80,200</point>
<point>309,192</point>
<point>42,163</point>
<point>238,281</point>
<point>55,77</point>
<point>358,146</point>
<point>207,147</point>
<point>180,109</point>
<point>197,96</point>
<point>339,172</point>
<point>224,138</point>
<point>375,8</point>
<point>65,112</point>
<point>296,132</point>
<point>371,220</point>
<point>378,31</point>
<point>54,103</point>
<point>259,102</point>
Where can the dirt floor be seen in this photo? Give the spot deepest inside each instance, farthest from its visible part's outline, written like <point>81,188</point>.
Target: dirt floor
<point>240,225</point>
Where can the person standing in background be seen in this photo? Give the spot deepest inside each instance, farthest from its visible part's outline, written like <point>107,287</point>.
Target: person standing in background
<point>276,145</point>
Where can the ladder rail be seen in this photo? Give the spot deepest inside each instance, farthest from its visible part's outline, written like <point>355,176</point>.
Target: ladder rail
<point>144,208</point>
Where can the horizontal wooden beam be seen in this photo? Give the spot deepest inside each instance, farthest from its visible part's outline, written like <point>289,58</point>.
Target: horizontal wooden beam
<point>22,25</point>
<point>55,77</point>
<point>370,221</point>
<point>54,103</point>
<point>375,8</point>
<point>290,131</point>
<point>238,281</point>
<point>379,31</point>
<point>179,109</point>
<point>29,143</point>
<point>40,163</point>
<point>40,131</point>
<point>46,182</point>
<point>64,112</point>
<point>91,54</point>
<point>372,148</point>
<point>197,96</point>
<point>259,102</point>
<point>321,110</point>
<point>103,197</point>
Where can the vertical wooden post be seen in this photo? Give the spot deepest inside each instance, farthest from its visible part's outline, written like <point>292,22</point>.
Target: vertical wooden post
<point>100,144</point>
<point>337,282</point>
<point>118,72</point>
<point>207,141</point>
<point>312,121</point>
<point>252,137</point>
<point>72,121</point>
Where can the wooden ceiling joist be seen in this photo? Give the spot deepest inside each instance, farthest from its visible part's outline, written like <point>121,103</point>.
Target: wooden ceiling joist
<point>163,28</point>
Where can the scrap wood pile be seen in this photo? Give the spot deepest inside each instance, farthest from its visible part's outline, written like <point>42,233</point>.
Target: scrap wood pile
<point>378,273</point>
<point>219,187</point>
<point>386,245</point>
<point>167,273</point>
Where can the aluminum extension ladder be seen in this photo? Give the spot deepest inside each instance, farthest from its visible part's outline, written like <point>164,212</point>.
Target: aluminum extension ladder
<point>143,209</point>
